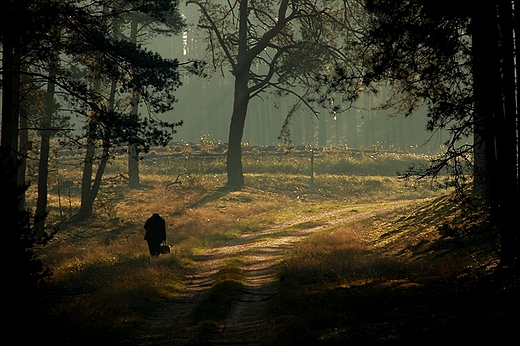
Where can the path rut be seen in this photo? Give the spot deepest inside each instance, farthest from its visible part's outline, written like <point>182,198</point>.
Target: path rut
<point>260,254</point>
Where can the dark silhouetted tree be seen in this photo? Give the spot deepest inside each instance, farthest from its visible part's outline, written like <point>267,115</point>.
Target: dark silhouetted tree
<point>273,45</point>
<point>458,59</point>
<point>90,57</point>
<point>23,272</point>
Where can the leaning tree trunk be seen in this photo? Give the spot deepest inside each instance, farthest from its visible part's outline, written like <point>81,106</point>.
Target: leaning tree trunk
<point>89,188</point>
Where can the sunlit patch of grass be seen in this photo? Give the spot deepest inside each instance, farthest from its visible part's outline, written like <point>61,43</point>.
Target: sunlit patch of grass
<point>350,188</point>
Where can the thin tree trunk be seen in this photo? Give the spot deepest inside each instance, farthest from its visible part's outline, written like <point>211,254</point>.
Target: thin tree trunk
<point>43,165</point>
<point>322,131</point>
<point>133,153</point>
<point>352,141</point>
<point>89,188</point>
<point>240,103</point>
<point>133,166</point>
<point>25,145</point>
<point>236,130</point>
<point>87,199</point>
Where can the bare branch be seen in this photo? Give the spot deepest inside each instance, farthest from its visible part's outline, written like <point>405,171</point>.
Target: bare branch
<point>215,29</point>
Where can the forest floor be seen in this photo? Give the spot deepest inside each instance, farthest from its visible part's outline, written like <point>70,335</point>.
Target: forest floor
<point>238,282</point>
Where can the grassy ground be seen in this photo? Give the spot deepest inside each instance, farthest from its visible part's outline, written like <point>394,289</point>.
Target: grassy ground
<point>423,276</point>
<point>339,286</point>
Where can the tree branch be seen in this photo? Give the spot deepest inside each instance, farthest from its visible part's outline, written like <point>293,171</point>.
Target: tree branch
<point>215,30</point>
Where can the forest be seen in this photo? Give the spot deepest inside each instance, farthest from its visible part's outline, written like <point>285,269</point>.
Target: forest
<point>330,172</point>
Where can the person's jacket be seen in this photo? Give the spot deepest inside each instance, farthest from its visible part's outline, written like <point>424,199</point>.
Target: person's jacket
<point>155,229</point>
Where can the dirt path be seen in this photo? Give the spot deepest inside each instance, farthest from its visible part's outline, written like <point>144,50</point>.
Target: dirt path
<point>260,253</point>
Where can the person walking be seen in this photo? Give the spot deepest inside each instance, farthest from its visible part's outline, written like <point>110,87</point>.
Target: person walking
<point>155,234</point>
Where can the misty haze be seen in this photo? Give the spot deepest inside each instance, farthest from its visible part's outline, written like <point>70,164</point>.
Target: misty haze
<point>259,172</point>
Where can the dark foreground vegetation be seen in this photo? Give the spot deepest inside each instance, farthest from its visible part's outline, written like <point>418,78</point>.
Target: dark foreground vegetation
<point>425,275</point>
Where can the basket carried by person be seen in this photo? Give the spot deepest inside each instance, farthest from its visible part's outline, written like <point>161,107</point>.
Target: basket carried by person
<point>165,248</point>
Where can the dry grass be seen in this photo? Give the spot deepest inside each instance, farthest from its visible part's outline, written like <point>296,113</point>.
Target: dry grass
<point>400,279</point>
<point>105,284</point>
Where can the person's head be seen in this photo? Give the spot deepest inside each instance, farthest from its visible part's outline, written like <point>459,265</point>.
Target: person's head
<point>156,216</point>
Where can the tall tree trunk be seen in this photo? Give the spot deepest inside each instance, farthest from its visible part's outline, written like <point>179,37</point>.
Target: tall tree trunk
<point>89,188</point>
<point>7,94</point>
<point>352,141</point>
<point>11,104</point>
<point>322,131</point>
<point>25,146</point>
<point>43,165</point>
<point>87,198</point>
<point>240,103</point>
<point>9,128</point>
<point>236,129</point>
<point>507,138</point>
<point>24,143</point>
<point>368,122</point>
<point>133,166</point>
<point>484,67</point>
<point>133,152</point>
<point>241,69</point>
<point>339,129</point>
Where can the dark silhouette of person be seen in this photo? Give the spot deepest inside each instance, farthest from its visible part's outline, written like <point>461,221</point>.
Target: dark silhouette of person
<point>155,234</point>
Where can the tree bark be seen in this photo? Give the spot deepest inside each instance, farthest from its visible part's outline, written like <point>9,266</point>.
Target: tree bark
<point>133,153</point>
<point>236,129</point>
<point>89,188</point>
<point>496,155</point>
<point>133,167</point>
<point>484,64</point>
<point>241,69</point>
<point>352,141</point>
<point>241,101</point>
<point>322,131</point>
<point>43,165</point>
<point>507,138</point>
<point>8,108</point>
<point>87,200</point>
